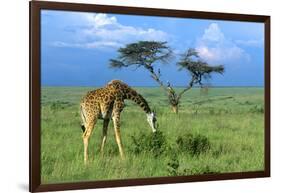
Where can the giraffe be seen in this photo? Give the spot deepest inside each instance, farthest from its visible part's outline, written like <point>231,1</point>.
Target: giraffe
<point>107,103</point>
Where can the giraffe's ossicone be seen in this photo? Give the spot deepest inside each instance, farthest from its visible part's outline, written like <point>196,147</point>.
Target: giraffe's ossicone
<point>107,103</point>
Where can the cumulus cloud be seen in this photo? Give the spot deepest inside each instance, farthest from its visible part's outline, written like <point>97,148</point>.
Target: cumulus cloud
<point>214,47</point>
<point>101,31</point>
<point>213,33</point>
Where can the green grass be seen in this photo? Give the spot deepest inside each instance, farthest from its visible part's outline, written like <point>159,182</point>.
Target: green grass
<point>229,120</point>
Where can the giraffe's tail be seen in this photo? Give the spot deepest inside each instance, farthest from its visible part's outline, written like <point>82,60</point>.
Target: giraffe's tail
<point>83,118</point>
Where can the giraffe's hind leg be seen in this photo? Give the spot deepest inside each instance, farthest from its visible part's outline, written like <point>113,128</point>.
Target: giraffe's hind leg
<point>89,126</point>
<point>118,106</point>
<point>104,134</point>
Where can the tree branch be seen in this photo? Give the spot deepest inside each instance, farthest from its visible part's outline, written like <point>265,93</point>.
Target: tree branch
<point>156,77</point>
<point>189,86</point>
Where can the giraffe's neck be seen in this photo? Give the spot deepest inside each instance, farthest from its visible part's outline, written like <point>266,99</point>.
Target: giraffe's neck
<point>138,99</point>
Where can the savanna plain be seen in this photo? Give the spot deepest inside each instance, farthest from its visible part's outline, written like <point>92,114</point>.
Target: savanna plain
<point>217,130</point>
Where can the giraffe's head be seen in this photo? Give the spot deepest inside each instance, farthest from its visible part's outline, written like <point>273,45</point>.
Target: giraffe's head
<point>151,119</point>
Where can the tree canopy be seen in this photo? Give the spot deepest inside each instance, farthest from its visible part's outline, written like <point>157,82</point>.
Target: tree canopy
<point>142,53</point>
<point>197,68</point>
<point>147,53</point>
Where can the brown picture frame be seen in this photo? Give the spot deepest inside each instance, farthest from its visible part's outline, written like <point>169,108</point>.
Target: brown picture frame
<point>34,100</point>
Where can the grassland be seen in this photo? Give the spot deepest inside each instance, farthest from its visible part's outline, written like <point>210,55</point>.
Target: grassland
<point>227,123</point>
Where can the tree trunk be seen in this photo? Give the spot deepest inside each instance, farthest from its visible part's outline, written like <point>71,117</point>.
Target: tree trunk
<point>175,109</point>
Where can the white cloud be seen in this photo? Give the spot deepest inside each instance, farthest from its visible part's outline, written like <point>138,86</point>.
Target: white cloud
<point>206,53</point>
<point>99,20</point>
<point>101,31</point>
<point>250,43</point>
<point>213,33</point>
<point>96,44</point>
<point>214,47</point>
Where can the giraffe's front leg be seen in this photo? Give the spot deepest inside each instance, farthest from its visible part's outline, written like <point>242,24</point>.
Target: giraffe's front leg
<point>116,122</point>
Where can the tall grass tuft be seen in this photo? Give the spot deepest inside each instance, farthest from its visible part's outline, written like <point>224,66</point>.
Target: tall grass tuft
<point>193,144</point>
<point>155,143</point>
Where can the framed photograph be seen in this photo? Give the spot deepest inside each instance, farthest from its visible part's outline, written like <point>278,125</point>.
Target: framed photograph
<point>123,96</point>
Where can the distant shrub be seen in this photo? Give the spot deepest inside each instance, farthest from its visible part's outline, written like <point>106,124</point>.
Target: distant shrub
<point>257,109</point>
<point>193,144</point>
<point>59,105</point>
<point>204,91</point>
<point>211,111</point>
<point>155,143</point>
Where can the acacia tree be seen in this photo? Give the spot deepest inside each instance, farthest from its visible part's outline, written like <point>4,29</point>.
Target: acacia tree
<point>198,70</point>
<point>147,53</point>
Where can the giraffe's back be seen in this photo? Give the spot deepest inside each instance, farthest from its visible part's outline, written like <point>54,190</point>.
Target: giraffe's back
<point>98,97</point>
<point>100,101</point>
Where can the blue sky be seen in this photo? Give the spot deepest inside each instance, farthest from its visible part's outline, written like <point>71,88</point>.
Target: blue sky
<point>76,48</point>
